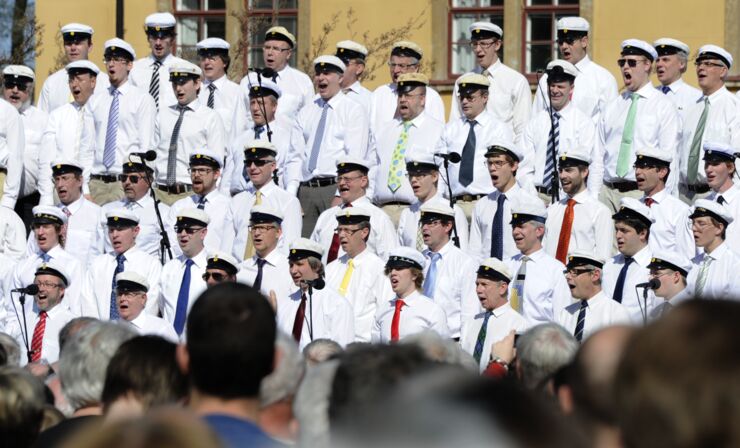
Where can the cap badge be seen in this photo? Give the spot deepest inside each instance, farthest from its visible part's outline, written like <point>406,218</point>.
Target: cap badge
<point>71,33</point>
<point>215,258</point>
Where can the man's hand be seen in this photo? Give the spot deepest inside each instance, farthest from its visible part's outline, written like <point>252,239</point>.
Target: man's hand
<point>504,348</point>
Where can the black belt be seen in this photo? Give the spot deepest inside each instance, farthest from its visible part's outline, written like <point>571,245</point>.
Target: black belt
<point>105,178</point>
<point>319,182</point>
<point>175,189</point>
<point>543,190</point>
<point>700,188</point>
<point>469,197</point>
<point>394,203</point>
<point>623,186</point>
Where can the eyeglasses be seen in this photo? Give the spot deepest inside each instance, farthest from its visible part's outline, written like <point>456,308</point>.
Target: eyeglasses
<point>188,230</point>
<point>200,171</point>
<point>130,293</point>
<point>22,86</point>
<point>496,163</point>
<point>658,274</point>
<point>394,65</point>
<point>341,179</point>
<point>576,272</point>
<point>272,48</point>
<point>345,231</point>
<point>566,40</point>
<point>47,285</point>
<point>430,223</point>
<point>631,62</point>
<point>469,96</point>
<point>410,95</point>
<point>117,60</point>
<point>483,44</point>
<point>216,276</point>
<point>706,63</point>
<point>133,178</point>
<point>257,162</point>
<point>261,228</point>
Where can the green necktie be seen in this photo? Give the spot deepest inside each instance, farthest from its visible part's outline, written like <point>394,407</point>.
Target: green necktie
<point>395,172</point>
<point>693,168</point>
<point>625,148</point>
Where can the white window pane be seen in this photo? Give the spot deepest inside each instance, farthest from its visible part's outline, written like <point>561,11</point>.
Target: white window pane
<point>187,37</point>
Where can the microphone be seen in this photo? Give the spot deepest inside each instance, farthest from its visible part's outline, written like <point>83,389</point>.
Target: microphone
<point>267,72</point>
<point>318,283</point>
<point>149,156</point>
<point>30,290</point>
<point>652,284</point>
<point>452,157</point>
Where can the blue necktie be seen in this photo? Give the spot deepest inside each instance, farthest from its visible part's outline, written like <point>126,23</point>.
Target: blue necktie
<point>665,89</point>
<point>202,203</point>
<point>619,287</point>
<point>258,132</point>
<point>318,138</point>
<point>431,279</point>
<point>113,303</point>
<point>45,257</point>
<point>552,151</point>
<point>258,279</point>
<point>581,321</point>
<point>497,230</point>
<point>182,298</point>
<point>478,351</point>
<point>111,132</point>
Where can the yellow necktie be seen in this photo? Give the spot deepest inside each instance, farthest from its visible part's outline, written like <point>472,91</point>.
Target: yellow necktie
<point>347,277</point>
<point>249,250</point>
<point>419,239</point>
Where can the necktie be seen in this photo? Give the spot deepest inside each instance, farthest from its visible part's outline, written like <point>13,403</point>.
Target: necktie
<point>111,131</point>
<point>334,248</point>
<point>66,211</point>
<point>45,257</point>
<point>665,89</point>
<point>468,157</point>
<point>300,315</point>
<point>564,238</point>
<point>701,279</point>
<point>396,320</point>
<point>202,203</point>
<point>619,287</point>
<point>430,281</point>
<point>693,169</point>
<point>552,151</point>
<point>249,250</point>
<point>395,172</point>
<point>419,239</point>
<point>172,154</point>
<point>113,314</point>
<point>581,321</point>
<point>625,148</point>
<point>497,230</point>
<point>649,202</point>
<point>318,138</point>
<point>721,200</point>
<point>517,298</point>
<point>182,298</point>
<point>258,130</point>
<point>347,277</point>
<point>258,279</point>
<point>154,83</point>
<point>38,337</point>
<point>478,351</point>
<point>211,90</point>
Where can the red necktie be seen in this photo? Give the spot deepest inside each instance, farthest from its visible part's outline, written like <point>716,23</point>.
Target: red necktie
<point>396,320</point>
<point>38,337</point>
<point>334,248</point>
<point>300,315</point>
<point>649,202</point>
<point>564,238</point>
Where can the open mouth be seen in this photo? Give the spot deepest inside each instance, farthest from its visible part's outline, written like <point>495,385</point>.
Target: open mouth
<point>394,282</point>
<point>518,238</point>
<point>180,95</point>
<point>269,62</point>
<point>565,54</point>
<point>323,85</point>
<point>627,76</point>
<point>494,178</point>
<point>571,286</point>
<point>343,189</point>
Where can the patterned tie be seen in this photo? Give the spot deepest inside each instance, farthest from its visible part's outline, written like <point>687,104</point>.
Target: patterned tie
<point>578,333</point>
<point>182,298</point>
<point>347,277</point>
<point>468,156</point>
<point>564,239</point>
<point>258,130</point>
<point>478,351</point>
<point>553,144</point>
<point>395,172</point>
<point>395,323</point>
<point>258,279</point>
<point>693,169</point>
<point>721,200</point>
<point>38,337</point>
<point>113,314</point>
<point>619,287</point>
<point>701,279</point>
<point>211,89</point>
<point>517,297</point>
<point>625,148</point>
<point>334,247</point>
<point>154,83</point>
<point>66,211</point>
<point>318,138</point>
<point>249,250</point>
<point>172,154</point>
<point>201,203</point>
<point>665,89</point>
<point>109,151</point>
<point>300,316</point>
<point>430,281</point>
<point>497,229</point>
<point>419,238</point>
<point>649,202</point>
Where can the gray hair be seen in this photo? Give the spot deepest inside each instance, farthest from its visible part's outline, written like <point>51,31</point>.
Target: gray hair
<point>311,404</point>
<point>683,57</point>
<point>12,349</point>
<point>85,359</point>
<point>439,349</point>
<point>283,382</point>
<point>72,327</point>
<point>320,350</point>
<point>541,351</point>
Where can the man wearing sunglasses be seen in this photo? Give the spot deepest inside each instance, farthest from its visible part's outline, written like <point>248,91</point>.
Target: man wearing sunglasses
<point>714,117</point>
<point>672,62</point>
<point>596,86</point>
<point>99,291</point>
<point>221,267</point>
<point>353,55</point>
<point>638,118</point>
<point>670,269</point>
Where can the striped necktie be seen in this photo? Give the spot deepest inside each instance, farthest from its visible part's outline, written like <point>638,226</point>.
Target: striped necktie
<point>478,351</point>
<point>172,154</point>
<point>211,91</point>
<point>154,83</point>
<point>553,142</point>
<point>581,322</point>
<point>111,131</point>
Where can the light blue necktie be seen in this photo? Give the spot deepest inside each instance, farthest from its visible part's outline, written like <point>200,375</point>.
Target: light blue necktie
<point>430,281</point>
<point>113,305</point>
<point>182,298</point>
<point>111,132</point>
<point>45,257</point>
<point>318,138</point>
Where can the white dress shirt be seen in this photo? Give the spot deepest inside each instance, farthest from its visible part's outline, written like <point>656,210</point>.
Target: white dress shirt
<point>503,319</point>
<point>384,103</point>
<point>671,230</point>
<point>216,207</point>
<point>275,274</point>
<point>602,312</point>
<point>225,97</point>
<point>34,123</point>
<point>55,92</point>
<point>665,306</point>
<point>424,137</point>
<point>481,223</point>
<point>235,230</point>
<point>721,126</point>
<point>638,272</point>
<point>382,232</point>
<point>12,234</point>
<point>56,319</point>
<point>408,226</point>
<point>146,324</point>
<point>594,87</point>
<point>141,77</point>
<point>592,229</point>
<point>361,95</point>
<point>138,126</point>
<point>169,284</point>
<point>722,279</point>
<point>656,125</point>
<point>365,288</point>
<point>682,95</point>
<point>12,148</point>
<point>149,232</point>
<point>509,97</point>
<point>732,205</point>
<point>488,129</point>
<point>419,313</point>
<point>546,291</point>
<point>345,134</point>
<point>328,315</point>
<point>96,292</point>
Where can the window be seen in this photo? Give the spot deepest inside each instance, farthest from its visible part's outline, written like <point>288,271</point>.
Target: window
<point>540,34</point>
<point>265,14</point>
<point>197,20</point>
<point>464,13</point>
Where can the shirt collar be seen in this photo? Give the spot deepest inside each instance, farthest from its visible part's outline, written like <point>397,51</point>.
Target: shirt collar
<point>416,122</point>
<point>139,321</point>
<point>56,309</point>
<point>643,256</point>
<point>272,258</point>
<point>167,59</point>
<point>54,252</point>
<point>718,251</point>
<point>534,256</point>
<point>730,195</point>
<point>219,83</point>
<point>581,197</point>
<point>503,309</point>
<point>713,97</point>
<point>199,260</point>
<point>483,118</point>
<point>493,67</point>
<point>442,251</point>
<point>658,197</point>
<point>122,89</point>
<point>73,207</point>
<point>583,63</point>
<point>646,91</point>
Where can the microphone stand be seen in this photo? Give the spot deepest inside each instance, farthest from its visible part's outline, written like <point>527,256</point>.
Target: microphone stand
<point>24,330</point>
<point>310,311</point>
<point>165,249</point>
<point>643,310</point>
<point>554,186</point>
<point>455,237</point>
<point>261,104</point>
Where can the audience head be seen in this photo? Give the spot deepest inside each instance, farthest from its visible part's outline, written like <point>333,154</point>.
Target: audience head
<point>22,403</point>
<point>541,351</point>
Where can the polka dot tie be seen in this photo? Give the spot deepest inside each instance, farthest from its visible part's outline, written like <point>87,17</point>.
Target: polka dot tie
<point>397,169</point>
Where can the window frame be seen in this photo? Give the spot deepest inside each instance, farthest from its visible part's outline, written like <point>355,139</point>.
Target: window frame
<point>455,10</point>
<point>275,13</point>
<point>554,10</point>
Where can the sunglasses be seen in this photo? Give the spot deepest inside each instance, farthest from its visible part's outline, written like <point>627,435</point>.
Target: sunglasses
<point>133,178</point>
<point>188,230</point>
<point>217,276</point>
<point>21,85</point>
<point>256,162</point>
<point>631,62</point>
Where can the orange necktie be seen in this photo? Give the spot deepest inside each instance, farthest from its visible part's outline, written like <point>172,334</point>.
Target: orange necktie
<point>564,238</point>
